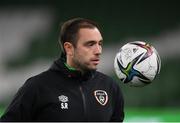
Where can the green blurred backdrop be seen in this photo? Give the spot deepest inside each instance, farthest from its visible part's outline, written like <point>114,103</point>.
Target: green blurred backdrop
<point>121,21</point>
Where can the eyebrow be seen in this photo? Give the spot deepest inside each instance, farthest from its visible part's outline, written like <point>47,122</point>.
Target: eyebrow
<point>101,40</point>
<point>91,41</point>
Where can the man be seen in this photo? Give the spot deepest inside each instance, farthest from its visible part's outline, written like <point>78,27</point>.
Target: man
<point>72,89</point>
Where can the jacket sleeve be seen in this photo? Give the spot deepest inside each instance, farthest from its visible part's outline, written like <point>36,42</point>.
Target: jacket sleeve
<point>20,109</point>
<point>118,110</point>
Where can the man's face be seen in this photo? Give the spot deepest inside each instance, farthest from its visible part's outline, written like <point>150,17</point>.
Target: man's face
<point>88,49</point>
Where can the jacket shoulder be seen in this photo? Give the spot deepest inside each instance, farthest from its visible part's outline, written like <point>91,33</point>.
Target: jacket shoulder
<point>41,77</point>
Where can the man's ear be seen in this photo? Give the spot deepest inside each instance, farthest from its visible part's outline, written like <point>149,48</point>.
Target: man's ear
<point>69,49</point>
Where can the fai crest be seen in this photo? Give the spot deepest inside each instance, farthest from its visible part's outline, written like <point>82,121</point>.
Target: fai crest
<point>101,96</point>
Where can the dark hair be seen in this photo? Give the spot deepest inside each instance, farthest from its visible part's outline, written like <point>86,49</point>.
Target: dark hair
<point>70,29</point>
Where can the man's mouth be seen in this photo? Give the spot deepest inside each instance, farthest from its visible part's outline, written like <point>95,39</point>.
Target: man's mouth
<point>95,61</point>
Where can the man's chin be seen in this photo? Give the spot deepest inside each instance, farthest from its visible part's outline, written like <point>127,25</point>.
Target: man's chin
<point>94,68</point>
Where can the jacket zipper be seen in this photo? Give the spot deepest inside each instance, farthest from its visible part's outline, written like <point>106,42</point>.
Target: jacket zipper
<point>84,102</point>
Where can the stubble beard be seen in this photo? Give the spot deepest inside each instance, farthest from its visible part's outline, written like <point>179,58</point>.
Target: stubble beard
<point>82,66</point>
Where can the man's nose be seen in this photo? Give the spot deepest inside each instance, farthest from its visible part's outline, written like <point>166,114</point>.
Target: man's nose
<point>98,50</point>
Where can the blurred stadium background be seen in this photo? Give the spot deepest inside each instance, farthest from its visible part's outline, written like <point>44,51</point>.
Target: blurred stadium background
<point>28,45</point>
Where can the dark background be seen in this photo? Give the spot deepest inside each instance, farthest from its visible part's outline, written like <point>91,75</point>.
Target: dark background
<point>120,21</point>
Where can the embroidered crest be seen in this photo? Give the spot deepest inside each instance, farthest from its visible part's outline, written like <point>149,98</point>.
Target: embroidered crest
<point>101,96</point>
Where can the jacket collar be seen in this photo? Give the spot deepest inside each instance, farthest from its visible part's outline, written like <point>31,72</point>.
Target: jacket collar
<point>59,65</point>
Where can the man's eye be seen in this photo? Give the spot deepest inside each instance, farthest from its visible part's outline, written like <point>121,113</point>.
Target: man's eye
<point>90,44</point>
<point>100,43</point>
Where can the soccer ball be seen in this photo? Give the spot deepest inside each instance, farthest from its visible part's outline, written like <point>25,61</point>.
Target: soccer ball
<point>137,63</point>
